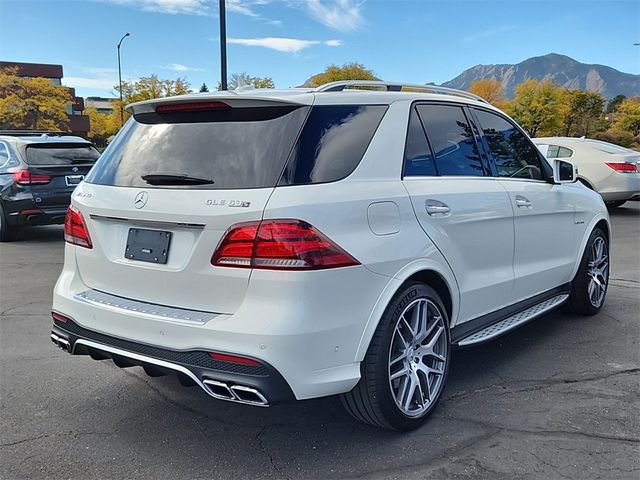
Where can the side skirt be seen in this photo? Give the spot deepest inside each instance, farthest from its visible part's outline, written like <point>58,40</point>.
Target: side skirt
<point>494,324</point>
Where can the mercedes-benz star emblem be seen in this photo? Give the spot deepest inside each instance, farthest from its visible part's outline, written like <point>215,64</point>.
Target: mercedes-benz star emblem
<point>141,199</point>
<point>74,169</point>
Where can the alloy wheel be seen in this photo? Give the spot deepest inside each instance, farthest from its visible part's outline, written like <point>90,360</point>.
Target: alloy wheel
<point>418,357</point>
<point>598,271</point>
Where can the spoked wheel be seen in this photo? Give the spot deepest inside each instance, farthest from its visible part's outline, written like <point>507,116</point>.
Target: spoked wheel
<point>404,371</point>
<point>417,357</point>
<point>592,279</point>
<point>598,271</point>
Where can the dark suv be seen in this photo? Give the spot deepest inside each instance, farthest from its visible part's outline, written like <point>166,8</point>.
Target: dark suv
<point>38,173</point>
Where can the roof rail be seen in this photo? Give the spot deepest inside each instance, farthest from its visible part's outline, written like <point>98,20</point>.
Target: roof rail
<point>32,133</point>
<point>396,87</point>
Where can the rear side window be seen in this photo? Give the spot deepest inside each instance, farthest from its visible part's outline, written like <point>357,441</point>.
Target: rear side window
<point>6,159</point>
<point>236,148</point>
<point>513,153</point>
<point>418,160</point>
<point>61,154</point>
<point>452,140</point>
<point>332,143</point>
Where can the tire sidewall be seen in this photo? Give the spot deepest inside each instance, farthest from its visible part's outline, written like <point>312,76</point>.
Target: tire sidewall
<point>392,413</point>
<point>580,291</point>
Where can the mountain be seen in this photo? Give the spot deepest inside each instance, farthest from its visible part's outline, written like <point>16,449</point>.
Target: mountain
<point>560,69</point>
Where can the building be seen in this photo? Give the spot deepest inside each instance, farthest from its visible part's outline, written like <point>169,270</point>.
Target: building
<point>78,122</point>
<point>101,104</point>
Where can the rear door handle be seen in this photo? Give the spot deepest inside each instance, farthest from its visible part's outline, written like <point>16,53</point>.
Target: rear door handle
<point>436,208</point>
<point>523,202</point>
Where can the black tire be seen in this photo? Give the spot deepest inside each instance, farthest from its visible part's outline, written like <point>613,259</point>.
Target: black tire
<point>372,400</point>
<point>579,301</point>
<point>616,204</point>
<point>7,232</point>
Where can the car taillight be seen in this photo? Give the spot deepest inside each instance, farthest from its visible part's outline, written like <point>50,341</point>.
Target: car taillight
<point>191,107</point>
<point>223,357</point>
<point>623,167</point>
<point>25,177</point>
<point>279,245</point>
<point>75,229</point>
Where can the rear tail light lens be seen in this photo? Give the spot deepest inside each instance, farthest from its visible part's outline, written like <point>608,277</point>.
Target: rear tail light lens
<point>75,229</point>
<point>191,107</point>
<point>59,317</point>
<point>26,177</point>
<point>279,245</point>
<point>624,167</point>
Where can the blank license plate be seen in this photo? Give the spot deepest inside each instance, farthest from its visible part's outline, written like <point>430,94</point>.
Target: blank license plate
<point>73,180</point>
<point>147,245</point>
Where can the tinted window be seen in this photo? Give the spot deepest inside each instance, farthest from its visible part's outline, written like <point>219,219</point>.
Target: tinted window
<point>332,143</point>
<point>552,152</point>
<point>514,155</point>
<point>6,160</point>
<point>418,160</point>
<point>237,148</point>
<point>61,154</point>
<point>451,139</point>
<point>564,152</point>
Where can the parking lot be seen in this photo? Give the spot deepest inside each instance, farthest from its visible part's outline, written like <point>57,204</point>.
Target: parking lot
<point>557,398</point>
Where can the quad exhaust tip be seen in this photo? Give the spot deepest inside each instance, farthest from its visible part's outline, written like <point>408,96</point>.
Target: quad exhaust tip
<point>236,393</point>
<point>61,343</point>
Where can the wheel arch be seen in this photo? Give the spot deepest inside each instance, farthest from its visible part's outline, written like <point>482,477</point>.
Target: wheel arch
<point>437,276</point>
<point>601,222</point>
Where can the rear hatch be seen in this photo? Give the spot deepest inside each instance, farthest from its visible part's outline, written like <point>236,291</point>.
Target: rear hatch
<point>56,169</point>
<point>163,194</point>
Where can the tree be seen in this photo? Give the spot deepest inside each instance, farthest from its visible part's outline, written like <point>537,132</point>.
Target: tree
<point>536,106</point>
<point>333,73</point>
<point>102,126</point>
<point>239,80</point>
<point>204,88</point>
<point>490,90</point>
<point>614,103</point>
<point>582,112</point>
<point>629,116</point>
<point>146,88</point>
<point>32,103</point>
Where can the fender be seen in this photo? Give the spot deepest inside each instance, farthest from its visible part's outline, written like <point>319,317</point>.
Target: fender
<point>583,243</point>
<point>392,287</point>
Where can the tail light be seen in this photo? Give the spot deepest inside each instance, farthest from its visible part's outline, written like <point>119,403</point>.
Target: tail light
<point>623,167</point>
<point>26,177</point>
<point>191,107</point>
<point>234,359</point>
<point>279,245</point>
<point>75,229</point>
<point>59,317</point>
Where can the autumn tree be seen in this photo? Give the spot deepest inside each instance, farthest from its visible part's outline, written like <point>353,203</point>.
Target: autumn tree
<point>614,103</point>
<point>146,88</point>
<point>629,116</point>
<point>240,80</point>
<point>582,112</point>
<point>490,90</point>
<point>536,106</point>
<point>333,73</point>
<point>32,103</point>
<point>102,126</point>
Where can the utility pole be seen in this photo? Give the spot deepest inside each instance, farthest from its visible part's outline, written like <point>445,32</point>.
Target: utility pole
<point>120,80</point>
<point>223,46</point>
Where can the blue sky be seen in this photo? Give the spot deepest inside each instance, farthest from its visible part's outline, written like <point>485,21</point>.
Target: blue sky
<point>290,40</point>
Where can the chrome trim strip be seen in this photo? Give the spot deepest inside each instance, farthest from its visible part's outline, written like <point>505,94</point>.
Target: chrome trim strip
<point>149,223</point>
<point>155,311</point>
<point>508,324</point>
<point>159,363</point>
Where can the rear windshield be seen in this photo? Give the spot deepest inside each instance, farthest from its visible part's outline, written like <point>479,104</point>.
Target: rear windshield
<point>238,148</point>
<point>61,154</point>
<point>608,147</point>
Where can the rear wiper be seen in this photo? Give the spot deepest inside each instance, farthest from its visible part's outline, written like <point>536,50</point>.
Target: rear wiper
<point>169,179</point>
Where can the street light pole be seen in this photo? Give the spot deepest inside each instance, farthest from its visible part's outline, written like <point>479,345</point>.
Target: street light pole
<point>120,80</point>
<point>223,46</point>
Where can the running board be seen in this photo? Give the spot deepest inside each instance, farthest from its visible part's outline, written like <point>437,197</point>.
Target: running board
<point>509,323</point>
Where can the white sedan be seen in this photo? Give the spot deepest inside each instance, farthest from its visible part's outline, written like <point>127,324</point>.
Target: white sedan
<point>611,170</point>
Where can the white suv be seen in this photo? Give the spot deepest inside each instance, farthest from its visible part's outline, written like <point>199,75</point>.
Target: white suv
<point>278,245</point>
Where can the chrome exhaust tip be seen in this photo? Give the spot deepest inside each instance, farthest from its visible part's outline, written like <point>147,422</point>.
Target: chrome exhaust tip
<point>236,393</point>
<point>61,343</point>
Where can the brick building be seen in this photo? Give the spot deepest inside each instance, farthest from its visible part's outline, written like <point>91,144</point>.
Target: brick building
<point>78,122</point>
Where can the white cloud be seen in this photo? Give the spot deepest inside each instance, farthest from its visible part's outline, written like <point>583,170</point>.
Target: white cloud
<point>289,45</point>
<point>178,67</point>
<point>190,7</point>
<point>342,15</point>
<point>241,7</point>
<point>86,82</point>
<point>488,33</point>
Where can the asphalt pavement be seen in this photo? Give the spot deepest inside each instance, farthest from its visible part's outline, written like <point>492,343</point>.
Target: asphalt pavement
<point>557,398</point>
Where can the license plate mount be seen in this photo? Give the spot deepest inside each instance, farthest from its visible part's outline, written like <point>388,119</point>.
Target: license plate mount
<point>146,245</point>
<point>73,180</point>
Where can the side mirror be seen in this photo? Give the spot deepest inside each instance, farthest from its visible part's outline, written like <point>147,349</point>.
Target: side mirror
<point>564,172</point>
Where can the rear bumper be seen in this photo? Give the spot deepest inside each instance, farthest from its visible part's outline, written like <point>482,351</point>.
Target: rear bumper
<point>258,385</point>
<point>37,216</point>
<point>620,186</point>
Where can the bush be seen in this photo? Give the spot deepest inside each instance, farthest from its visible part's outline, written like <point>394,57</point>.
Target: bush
<point>618,137</point>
